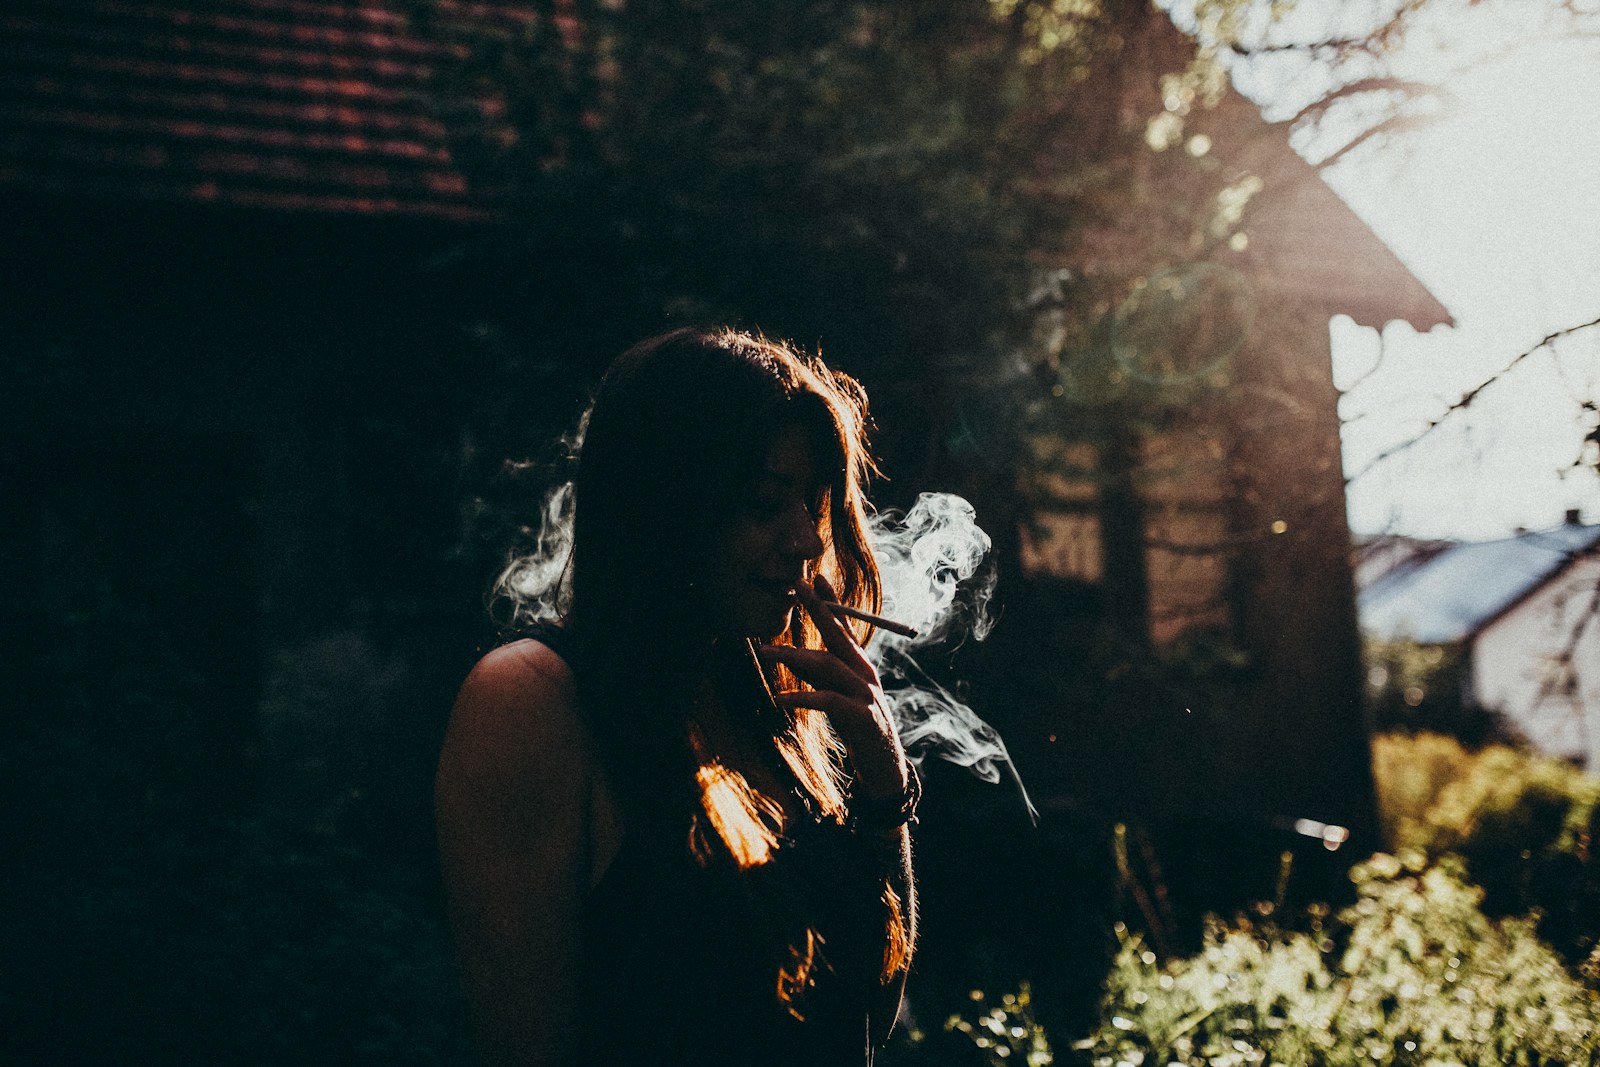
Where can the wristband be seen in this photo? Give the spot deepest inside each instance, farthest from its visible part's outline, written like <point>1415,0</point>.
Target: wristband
<point>871,814</point>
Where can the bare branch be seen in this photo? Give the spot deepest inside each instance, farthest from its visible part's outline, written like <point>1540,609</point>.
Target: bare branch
<point>1329,44</point>
<point>1374,40</point>
<point>1469,396</point>
<point>1396,124</point>
<point>1389,84</point>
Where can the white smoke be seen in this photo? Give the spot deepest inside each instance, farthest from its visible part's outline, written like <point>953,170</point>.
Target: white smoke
<point>931,561</point>
<point>923,558</point>
<point>536,583</point>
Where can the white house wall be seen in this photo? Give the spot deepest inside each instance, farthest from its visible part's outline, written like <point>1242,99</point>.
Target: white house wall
<point>1517,668</point>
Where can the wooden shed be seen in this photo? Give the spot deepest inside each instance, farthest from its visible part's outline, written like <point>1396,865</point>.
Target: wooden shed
<point>1227,523</point>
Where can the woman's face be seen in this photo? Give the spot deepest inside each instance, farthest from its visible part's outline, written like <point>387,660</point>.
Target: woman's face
<point>773,535</point>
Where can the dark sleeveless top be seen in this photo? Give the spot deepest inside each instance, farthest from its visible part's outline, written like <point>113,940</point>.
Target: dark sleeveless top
<point>680,962</point>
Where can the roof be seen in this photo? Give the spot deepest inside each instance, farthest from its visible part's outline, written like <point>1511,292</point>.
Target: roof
<point>1306,247</point>
<point>1454,594</point>
<point>296,105</point>
<point>1377,555</point>
<point>1308,244</point>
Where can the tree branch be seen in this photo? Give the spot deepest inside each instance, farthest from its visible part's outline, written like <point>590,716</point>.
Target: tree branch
<point>1564,662</point>
<point>1469,396</point>
<point>1374,40</point>
<point>1395,124</point>
<point>1383,84</point>
<point>1248,51</point>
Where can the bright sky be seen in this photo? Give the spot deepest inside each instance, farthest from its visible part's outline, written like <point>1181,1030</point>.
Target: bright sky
<point>1496,208</point>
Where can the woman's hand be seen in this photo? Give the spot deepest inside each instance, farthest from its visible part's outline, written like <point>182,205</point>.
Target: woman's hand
<point>845,687</point>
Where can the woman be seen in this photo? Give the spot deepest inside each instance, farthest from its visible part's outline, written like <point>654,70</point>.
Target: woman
<point>673,827</point>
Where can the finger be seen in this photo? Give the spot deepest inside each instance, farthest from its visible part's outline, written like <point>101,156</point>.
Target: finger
<point>834,635</point>
<point>836,706</point>
<point>864,728</point>
<point>818,668</point>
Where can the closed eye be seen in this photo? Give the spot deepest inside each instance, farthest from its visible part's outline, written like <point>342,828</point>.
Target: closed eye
<point>773,495</point>
<point>818,504</point>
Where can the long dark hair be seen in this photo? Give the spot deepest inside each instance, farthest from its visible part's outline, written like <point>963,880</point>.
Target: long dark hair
<point>673,445</point>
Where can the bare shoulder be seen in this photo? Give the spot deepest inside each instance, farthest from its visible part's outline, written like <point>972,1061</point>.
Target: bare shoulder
<point>515,723</point>
<point>518,675</point>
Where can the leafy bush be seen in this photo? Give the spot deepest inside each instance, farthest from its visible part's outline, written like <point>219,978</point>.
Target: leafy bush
<point>1410,771</point>
<point>1521,823</point>
<point>1412,973</point>
<point>1006,1032</point>
<point>1510,801</point>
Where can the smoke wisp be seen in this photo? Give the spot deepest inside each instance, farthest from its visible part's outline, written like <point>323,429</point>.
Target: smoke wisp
<point>535,584</point>
<point>931,561</point>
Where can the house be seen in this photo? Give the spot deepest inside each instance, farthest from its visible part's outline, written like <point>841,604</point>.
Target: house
<point>233,425</point>
<point>1526,611</point>
<point>1227,522</point>
<point>218,308</point>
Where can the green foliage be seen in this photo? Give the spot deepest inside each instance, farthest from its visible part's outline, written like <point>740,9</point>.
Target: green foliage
<point>907,183</point>
<point>1412,973</point>
<point>1418,687</point>
<point>721,154</point>
<point>1464,958</point>
<point>1503,799</point>
<point>1410,771</point>
<point>1408,666</point>
<point>1522,824</point>
<point>1007,1032</point>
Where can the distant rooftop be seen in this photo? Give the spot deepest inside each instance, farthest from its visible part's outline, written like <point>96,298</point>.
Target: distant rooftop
<point>1454,593</point>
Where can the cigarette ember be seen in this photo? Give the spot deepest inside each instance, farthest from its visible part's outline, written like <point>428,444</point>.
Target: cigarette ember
<point>877,620</point>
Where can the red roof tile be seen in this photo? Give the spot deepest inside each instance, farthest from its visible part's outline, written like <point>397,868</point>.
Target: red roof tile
<point>296,105</point>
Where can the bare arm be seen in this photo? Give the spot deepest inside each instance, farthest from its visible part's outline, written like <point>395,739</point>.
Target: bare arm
<point>511,808</point>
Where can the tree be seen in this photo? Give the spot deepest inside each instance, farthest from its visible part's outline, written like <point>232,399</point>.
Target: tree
<point>910,187</point>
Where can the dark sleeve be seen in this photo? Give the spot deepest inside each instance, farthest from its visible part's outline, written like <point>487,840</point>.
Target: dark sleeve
<point>887,862</point>
<point>867,868</point>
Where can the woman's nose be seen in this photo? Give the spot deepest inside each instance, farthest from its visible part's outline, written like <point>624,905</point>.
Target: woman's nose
<point>804,540</point>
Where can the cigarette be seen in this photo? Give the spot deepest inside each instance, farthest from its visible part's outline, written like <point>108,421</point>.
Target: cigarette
<point>866,616</point>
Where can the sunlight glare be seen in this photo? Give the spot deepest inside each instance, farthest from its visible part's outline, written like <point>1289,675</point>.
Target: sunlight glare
<point>1496,208</point>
